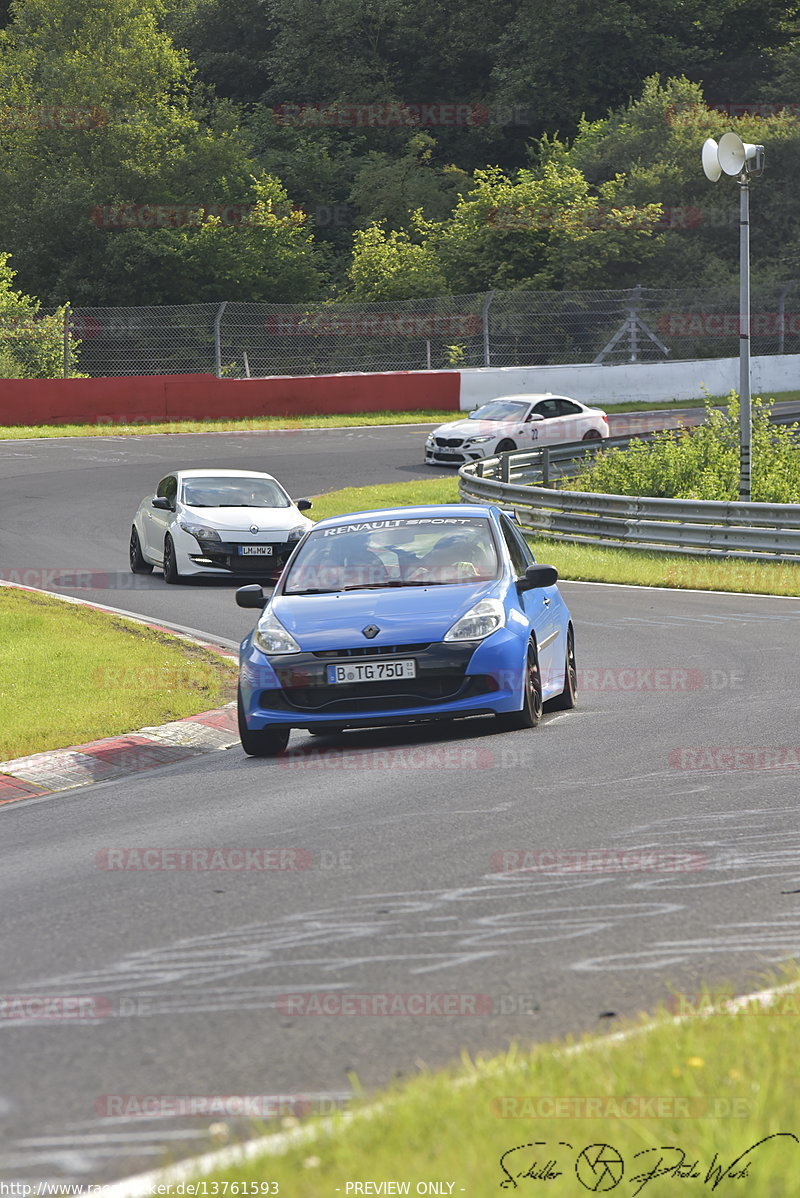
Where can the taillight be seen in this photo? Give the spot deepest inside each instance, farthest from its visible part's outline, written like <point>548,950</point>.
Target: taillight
<point>604,417</point>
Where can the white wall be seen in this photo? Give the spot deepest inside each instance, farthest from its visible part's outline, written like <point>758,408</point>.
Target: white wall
<point>651,381</point>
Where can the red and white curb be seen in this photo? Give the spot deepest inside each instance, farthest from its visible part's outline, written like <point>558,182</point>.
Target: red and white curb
<point>117,756</point>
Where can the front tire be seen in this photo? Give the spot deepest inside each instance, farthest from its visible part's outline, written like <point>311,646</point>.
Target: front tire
<point>266,742</point>
<point>506,446</point>
<point>530,713</point>
<point>171,573</point>
<point>138,563</point>
<point>569,696</point>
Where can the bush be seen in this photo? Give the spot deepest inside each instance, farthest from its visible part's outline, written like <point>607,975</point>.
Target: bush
<point>702,463</point>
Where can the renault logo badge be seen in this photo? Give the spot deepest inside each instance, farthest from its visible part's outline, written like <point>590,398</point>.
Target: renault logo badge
<point>254,529</point>
<point>370,631</point>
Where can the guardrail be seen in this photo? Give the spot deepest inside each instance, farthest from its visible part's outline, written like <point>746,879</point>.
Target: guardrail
<point>523,480</point>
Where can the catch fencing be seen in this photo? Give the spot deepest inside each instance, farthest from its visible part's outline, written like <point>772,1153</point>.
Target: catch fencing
<point>492,328</point>
<point>524,481</point>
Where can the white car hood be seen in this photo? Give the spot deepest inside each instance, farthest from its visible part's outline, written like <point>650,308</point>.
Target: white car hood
<point>476,428</point>
<point>273,520</point>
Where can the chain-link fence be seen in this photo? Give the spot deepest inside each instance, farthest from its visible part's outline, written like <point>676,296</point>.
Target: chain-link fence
<point>495,328</point>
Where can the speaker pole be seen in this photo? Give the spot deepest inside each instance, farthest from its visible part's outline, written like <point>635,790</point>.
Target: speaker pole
<point>745,407</point>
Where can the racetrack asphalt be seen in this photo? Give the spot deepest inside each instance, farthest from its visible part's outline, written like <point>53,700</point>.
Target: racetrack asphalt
<point>662,845</point>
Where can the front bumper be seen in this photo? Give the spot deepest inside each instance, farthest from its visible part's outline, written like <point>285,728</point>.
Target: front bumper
<point>452,680</point>
<point>223,557</point>
<point>436,456</point>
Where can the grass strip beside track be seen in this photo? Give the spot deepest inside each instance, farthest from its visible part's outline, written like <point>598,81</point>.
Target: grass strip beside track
<point>710,1086</point>
<point>278,423</point>
<point>21,432</point>
<point>585,563</point>
<point>72,674</point>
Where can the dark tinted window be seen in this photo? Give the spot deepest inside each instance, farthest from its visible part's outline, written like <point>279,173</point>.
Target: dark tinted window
<point>519,560</point>
<point>548,408</point>
<point>568,408</point>
<point>168,488</point>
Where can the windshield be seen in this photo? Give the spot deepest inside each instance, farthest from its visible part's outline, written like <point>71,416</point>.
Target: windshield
<point>234,492</point>
<point>501,409</point>
<point>422,551</point>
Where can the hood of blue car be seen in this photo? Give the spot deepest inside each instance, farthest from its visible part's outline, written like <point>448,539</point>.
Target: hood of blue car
<point>403,615</point>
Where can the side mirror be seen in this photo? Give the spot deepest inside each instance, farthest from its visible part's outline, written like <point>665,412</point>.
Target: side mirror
<point>303,505</point>
<point>535,416</point>
<point>250,596</point>
<point>538,576</point>
<point>162,503</point>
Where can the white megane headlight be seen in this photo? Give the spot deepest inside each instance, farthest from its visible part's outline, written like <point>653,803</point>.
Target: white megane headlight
<point>479,622</point>
<point>199,531</point>
<point>272,638</point>
<point>296,534</point>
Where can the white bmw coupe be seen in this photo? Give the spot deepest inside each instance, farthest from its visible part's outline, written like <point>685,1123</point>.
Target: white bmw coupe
<point>217,522</point>
<point>514,422</point>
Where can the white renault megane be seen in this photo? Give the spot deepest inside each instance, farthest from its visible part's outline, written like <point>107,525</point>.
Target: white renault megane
<point>223,522</point>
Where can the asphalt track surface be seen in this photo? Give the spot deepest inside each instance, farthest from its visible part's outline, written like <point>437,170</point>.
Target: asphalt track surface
<point>404,892</point>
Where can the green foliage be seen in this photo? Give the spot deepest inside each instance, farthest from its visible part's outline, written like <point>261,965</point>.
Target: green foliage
<point>703,462</point>
<point>31,343</point>
<point>150,141</point>
<point>390,266</point>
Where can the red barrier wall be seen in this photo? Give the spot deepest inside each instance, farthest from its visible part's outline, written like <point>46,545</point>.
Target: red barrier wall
<point>133,400</point>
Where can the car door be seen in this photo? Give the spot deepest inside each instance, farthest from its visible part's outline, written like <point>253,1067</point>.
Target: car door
<point>550,423</point>
<point>572,418</point>
<point>540,605</point>
<point>156,522</point>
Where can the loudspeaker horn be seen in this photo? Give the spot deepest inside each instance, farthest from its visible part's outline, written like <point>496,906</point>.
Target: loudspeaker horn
<point>736,155</point>
<point>711,165</point>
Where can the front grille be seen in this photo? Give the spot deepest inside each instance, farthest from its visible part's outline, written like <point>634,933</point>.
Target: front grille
<point>391,695</point>
<point>372,651</point>
<point>448,442</point>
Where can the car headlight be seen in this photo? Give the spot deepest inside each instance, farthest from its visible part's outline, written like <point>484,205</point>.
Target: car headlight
<point>479,622</point>
<point>430,440</point>
<point>272,638</point>
<point>477,440</point>
<point>199,531</point>
<point>295,534</point>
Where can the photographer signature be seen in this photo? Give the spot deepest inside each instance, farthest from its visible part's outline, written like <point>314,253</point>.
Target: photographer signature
<point>601,1167</point>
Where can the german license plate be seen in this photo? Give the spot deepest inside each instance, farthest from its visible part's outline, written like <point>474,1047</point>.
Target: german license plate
<point>373,671</point>
<point>451,451</point>
<point>256,550</point>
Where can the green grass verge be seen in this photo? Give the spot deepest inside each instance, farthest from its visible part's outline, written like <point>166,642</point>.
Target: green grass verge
<point>587,563</point>
<point>709,1087</point>
<point>20,432</point>
<point>71,674</point>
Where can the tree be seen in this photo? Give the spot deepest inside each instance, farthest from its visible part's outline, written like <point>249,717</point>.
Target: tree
<point>31,342</point>
<point>390,266</point>
<point>124,132</point>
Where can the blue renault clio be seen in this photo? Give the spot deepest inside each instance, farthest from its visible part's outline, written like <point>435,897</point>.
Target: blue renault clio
<point>404,615</point>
